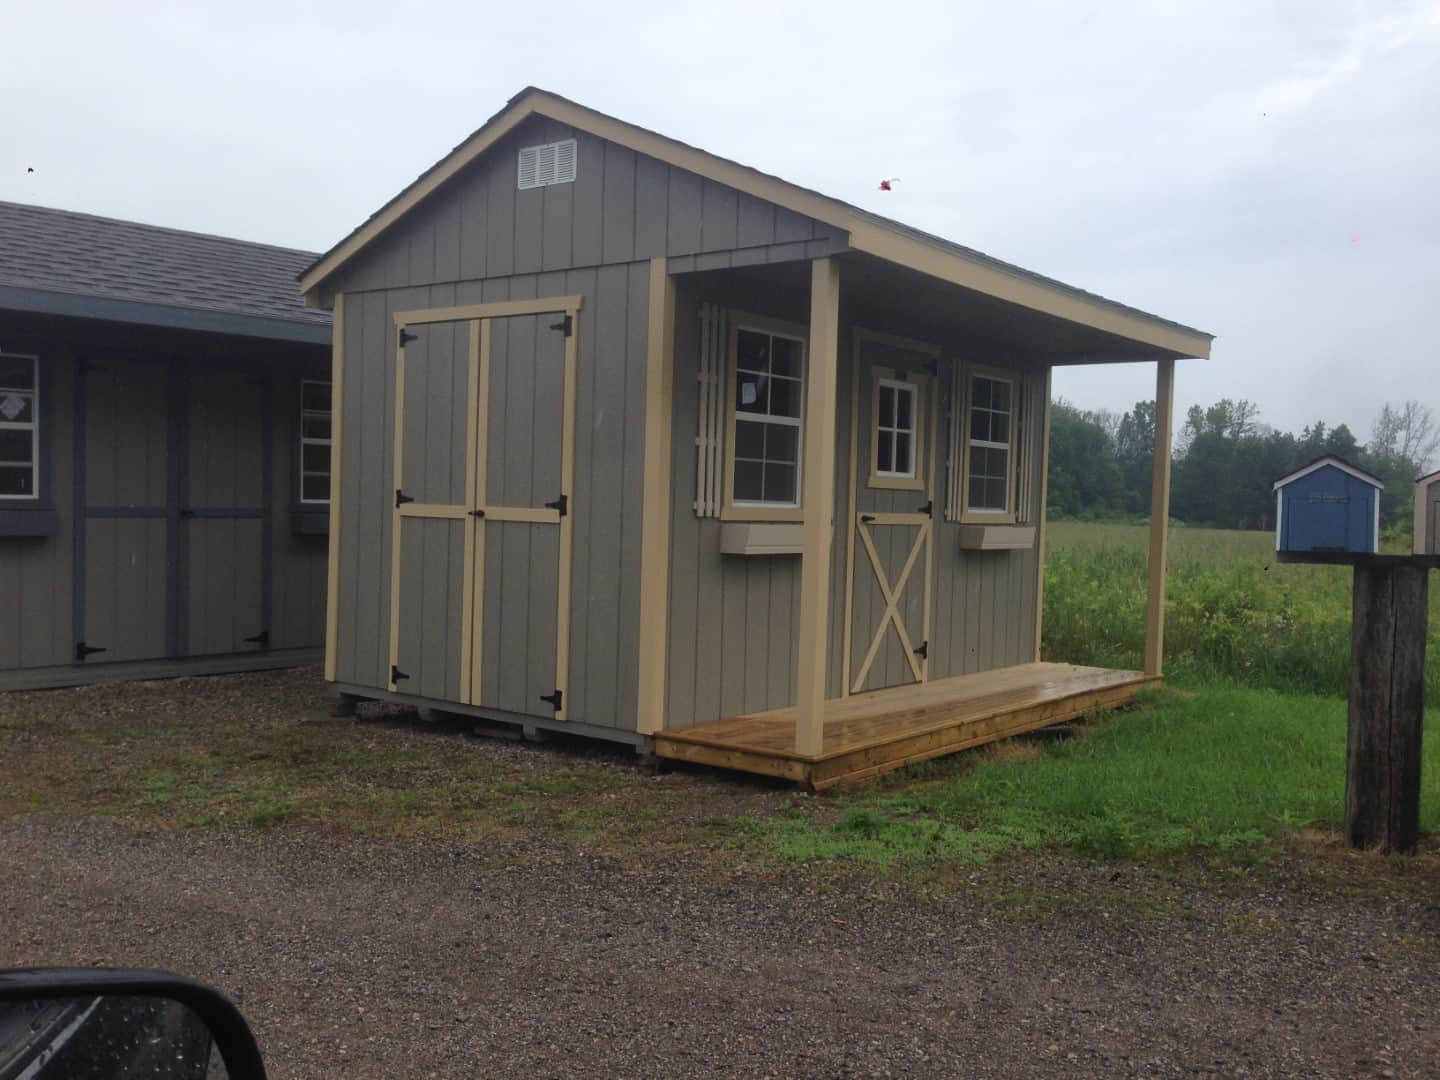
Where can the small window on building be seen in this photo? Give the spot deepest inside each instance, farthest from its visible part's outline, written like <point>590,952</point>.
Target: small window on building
<point>19,427</point>
<point>314,441</point>
<point>768,398</point>
<point>550,163</point>
<point>989,449</point>
<point>896,428</point>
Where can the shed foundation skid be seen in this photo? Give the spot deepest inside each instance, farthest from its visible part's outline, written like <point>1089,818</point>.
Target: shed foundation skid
<point>869,734</point>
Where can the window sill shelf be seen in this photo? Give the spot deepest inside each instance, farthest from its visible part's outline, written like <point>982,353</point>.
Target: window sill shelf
<point>762,538</point>
<point>28,522</point>
<point>997,537</point>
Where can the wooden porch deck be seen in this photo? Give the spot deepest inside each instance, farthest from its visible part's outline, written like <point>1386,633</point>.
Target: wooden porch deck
<point>873,733</point>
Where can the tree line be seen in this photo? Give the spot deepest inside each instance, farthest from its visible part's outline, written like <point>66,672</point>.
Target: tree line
<point>1225,461</point>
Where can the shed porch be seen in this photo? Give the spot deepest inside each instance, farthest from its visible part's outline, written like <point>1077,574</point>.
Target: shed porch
<point>865,735</point>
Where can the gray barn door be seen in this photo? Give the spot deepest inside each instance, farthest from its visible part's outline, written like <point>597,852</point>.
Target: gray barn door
<point>484,457</point>
<point>523,430</point>
<point>127,540</point>
<point>224,471</point>
<point>432,530</point>
<point>889,552</point>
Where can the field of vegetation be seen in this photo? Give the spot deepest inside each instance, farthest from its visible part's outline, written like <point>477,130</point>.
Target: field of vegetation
<point>1231,612</point>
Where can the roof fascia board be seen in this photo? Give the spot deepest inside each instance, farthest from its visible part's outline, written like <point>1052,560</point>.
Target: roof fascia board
<point>109,309</point>
<point>1315,466</point>
<point>865,235</point>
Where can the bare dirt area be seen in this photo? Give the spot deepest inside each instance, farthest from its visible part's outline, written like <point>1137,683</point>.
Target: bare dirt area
<point>390,900</point>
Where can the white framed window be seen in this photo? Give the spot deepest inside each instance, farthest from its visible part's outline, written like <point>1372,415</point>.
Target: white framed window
<point>989,473</point>
<point>896,430</point>
<point>315,420</point>
<point>766,431</point>
<point>19,427</point>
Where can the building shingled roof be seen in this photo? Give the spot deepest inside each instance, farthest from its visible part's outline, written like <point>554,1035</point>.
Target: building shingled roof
<point>47,251</point>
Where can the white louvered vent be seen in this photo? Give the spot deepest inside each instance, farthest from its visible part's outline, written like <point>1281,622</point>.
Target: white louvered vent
<point>549,163</point>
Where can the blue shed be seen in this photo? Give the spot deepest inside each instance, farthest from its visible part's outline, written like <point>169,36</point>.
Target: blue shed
<point>1328,505</point>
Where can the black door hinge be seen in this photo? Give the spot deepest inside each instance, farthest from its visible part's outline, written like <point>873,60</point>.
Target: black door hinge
<point>866,519</point>
<point>82,650</point>
<point>477,512</point>
<point>928,509</point>
<point>566,325</point>
<point>922,650</point>
<point>396,675</point>
<point>401,497</point>
<point>554,699</point>
<point>403,335</point>
<point>562,504</point>
<point>262,639</point>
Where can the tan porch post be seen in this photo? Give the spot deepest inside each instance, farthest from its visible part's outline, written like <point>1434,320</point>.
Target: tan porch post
<point>1159,516</point>
<point>817,496</point>
<point>655,521</point>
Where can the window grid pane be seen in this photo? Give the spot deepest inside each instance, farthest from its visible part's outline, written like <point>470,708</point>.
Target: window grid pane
<point>895,429</point>
<point>315,435</point>
<point>19,433</point>
<point>988,482</point>
<point>769,396</point>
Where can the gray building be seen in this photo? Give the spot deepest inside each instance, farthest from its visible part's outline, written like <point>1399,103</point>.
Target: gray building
<point>164,452</point>
<point>639,442</point>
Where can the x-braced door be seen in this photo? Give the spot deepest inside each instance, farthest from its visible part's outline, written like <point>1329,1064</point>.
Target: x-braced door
<point>484,478</point>
<point>890,546</point>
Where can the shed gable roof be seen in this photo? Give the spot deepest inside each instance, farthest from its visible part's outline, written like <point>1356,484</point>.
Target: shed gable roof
<point>67,263</point>
<point>869,233</point>
<point>1330,461</point>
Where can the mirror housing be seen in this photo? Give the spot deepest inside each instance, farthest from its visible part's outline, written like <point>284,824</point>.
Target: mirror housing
<point>228,1030</point>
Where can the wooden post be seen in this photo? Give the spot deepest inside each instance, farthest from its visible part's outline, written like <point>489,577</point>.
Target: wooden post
<point>818,500</point>
<point>656,504</point>
<point>1387,709</point>
<point>1159,517</point>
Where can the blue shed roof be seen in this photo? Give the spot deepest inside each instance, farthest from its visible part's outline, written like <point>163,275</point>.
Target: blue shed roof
<point>1332,461</point>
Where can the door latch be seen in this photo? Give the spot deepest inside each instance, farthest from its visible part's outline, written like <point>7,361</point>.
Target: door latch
<point>82,650</point>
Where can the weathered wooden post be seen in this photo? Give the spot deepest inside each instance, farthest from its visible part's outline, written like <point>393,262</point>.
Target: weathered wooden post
<point>1387,704</point>
<point>1389,622</point>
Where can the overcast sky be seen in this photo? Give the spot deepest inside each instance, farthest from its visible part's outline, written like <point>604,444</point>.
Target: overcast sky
<point>1267,172</point>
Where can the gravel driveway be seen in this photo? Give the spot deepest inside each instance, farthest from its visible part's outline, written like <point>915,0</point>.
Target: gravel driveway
<point>362,958</point>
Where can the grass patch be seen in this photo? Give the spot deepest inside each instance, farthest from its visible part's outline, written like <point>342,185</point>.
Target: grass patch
<point>1219,768</point>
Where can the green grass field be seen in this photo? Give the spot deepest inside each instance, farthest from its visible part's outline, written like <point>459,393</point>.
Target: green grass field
<point>1231,612</point>
<point>1246,744</point>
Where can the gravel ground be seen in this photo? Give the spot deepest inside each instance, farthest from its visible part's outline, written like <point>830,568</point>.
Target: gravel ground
<point>359,957</point>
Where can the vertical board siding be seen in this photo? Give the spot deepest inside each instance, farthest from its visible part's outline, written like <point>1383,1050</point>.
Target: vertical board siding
<point>623,207</point>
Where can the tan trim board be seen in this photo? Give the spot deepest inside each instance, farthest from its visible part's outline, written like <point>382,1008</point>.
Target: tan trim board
<point>433,510</point>
<point>972,271</point>
<point>472,525</point>
<point>337,423</point>
<point>1159,517</point>
<point>746,512</point>
<point>542,305</point>
<point>891,595</point>
<point>395,518</point>
<point>880,376</point>
<point>480,470</point>
<point>895,341</point>
<point>567,527</point>
<point>818,479</point>
<point>851,500</point>
<point>1040,524</point>
<point>656,506</point>
<point>524,515</point>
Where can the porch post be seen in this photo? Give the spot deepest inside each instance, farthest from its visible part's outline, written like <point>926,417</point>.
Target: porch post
<point>655,519</point>
<point>817,496</point>
<point>1159,516</point>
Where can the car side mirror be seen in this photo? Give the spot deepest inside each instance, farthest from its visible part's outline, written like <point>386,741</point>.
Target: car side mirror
<point>104,1024</point>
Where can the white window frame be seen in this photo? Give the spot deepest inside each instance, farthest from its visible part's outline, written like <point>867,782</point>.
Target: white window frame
<point>916,386</point>
<point>310,440</point>
<point>976,514</point>
<point>32,425</point>
<point>756,510</point>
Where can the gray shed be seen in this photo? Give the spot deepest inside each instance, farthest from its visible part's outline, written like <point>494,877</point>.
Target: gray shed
<point>164,452</point>
<point>1427,514</point>
<point>641,443</point>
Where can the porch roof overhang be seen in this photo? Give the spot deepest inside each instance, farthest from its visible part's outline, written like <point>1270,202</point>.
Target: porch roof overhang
<point>882,239</point>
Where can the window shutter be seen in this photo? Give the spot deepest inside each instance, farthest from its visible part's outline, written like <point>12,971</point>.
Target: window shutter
<point>546,164</point>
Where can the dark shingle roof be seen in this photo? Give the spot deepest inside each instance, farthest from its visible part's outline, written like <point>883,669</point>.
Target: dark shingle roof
<point>79,264</point>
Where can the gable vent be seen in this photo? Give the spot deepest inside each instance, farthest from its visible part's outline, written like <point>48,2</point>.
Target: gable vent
<point>550,163</point>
